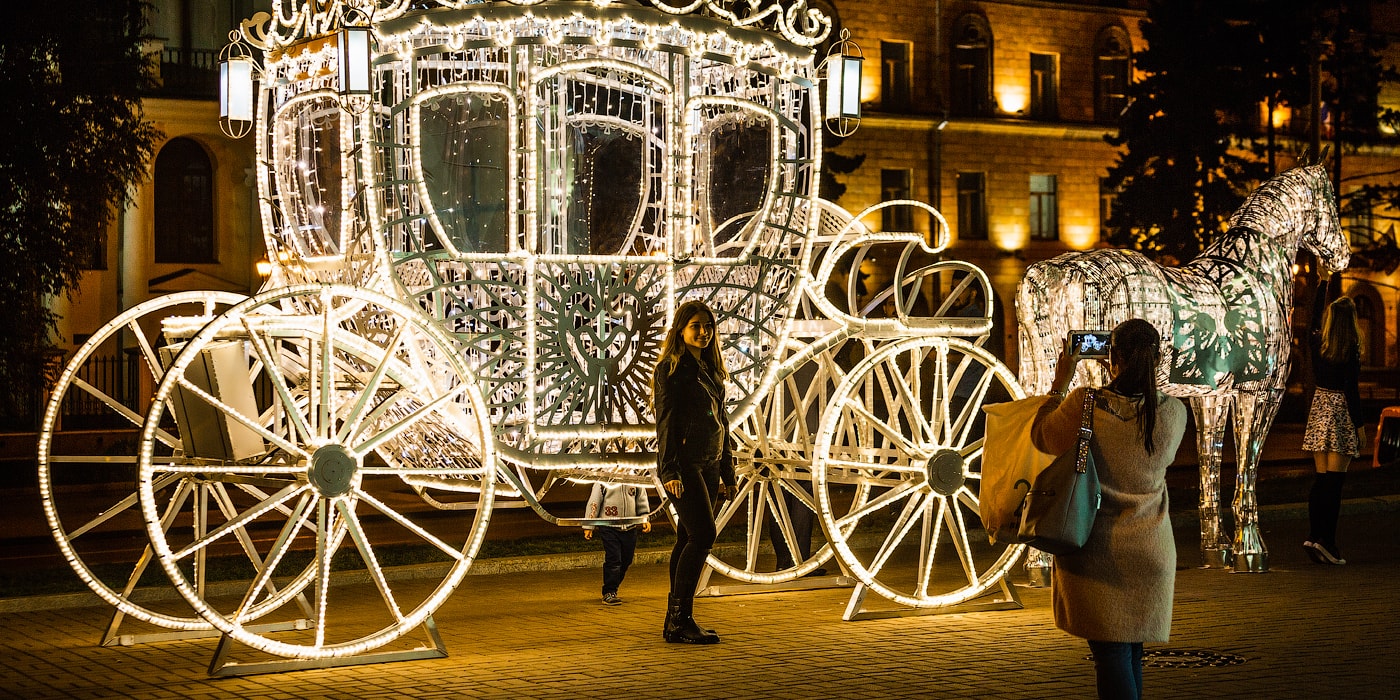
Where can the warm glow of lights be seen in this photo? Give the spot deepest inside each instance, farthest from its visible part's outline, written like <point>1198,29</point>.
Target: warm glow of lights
<point>1079,236</point>
<point>1010,236</point>
<point>1012,98</point>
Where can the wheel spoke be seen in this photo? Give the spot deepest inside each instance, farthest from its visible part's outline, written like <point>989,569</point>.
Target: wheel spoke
<point>376,572</point>
<point>296,519</point>
<point>323,569</point>
<point>901,442</point>
<point>235,524</point>
<point>397,517</point>
<point>120,507</point>
<point>279,381</point>
<point>237,415</point>
<point>875,504</point>
<point>408,421</point>
<point>903,524</point>
<point>352,420</point>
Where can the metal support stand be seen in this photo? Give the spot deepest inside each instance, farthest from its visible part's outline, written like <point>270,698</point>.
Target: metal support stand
<point>1007,600</point>
<point>220,667</point>
<point>806,583</point>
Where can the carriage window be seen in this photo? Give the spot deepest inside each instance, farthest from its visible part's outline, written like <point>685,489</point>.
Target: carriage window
<point>972,67</point>
<point>894,184</point>
<point>463,147</point>
<point>894,76</point>
<point>309,174</point>
<point>1045,211</point>
<point>1045,86</point>
<point>601,150</point>
<point>1111,74</point>
<point>1108,199</point>
<point>184,212</point>
<point>972,206</point>
<point>738,163</point>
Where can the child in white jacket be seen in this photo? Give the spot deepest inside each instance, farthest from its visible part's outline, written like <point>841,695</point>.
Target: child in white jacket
<point>619,543</point>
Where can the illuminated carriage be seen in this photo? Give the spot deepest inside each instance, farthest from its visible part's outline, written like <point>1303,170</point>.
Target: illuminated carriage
<point>477,245</point>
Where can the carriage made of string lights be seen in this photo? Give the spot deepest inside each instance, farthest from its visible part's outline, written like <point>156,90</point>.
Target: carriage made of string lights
<point>475,254</point>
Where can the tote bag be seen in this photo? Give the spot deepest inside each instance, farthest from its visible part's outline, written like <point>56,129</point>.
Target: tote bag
<point>1010,463</point>
<point>1064,498</point>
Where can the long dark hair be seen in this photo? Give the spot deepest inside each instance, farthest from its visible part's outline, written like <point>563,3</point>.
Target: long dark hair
<point>1136,351</point>
<point>674,345</point>
<point>1341,334</point>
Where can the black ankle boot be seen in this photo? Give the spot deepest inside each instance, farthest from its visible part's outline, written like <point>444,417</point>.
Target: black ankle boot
<point>681,627</point>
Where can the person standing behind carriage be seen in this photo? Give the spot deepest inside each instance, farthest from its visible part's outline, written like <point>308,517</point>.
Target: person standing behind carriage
<point>1116,592</point>
<point>619,543</point>
<point>694,457</point>
<point>1335,432</point>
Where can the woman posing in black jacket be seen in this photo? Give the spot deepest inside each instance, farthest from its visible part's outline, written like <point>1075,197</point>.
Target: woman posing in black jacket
<point>1335,432</point>
<point>693,455</point>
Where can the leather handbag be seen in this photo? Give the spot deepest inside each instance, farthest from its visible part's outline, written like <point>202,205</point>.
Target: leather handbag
<point>1064,498</point>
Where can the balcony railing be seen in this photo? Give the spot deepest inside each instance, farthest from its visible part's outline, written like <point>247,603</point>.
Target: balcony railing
<point>189,73</point>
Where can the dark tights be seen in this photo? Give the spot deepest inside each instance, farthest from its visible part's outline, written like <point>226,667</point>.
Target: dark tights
<point>1118,667</point>
<point>695,528</point>
<point>1324,506</point>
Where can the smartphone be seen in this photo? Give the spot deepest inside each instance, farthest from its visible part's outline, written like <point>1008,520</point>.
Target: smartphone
<point>1089,343</point>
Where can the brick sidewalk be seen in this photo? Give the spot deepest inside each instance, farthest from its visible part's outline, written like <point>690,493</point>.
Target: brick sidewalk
<point>1302,630</point>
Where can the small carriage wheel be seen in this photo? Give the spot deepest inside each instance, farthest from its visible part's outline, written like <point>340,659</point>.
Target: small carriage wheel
<point>338,374</point>
<point>774,470</point>
<point>85,528</point>
<point>898,468</point>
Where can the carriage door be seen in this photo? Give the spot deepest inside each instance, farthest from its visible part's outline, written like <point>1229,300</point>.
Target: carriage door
<point>600,172</point>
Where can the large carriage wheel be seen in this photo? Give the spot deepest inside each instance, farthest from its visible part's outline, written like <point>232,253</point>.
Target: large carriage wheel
<point>327,401</point>
<point>97,534</point>
<point>774,469</point>
<point>897,471</point>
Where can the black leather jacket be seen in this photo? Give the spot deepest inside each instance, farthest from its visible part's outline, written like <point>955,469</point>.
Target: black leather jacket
<point>692,425</point>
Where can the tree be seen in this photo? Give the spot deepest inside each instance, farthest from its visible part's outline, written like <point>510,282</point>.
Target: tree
<point>1192,133</point>
<point>833,164</point>
<point>75,141</point>
<point>1179,179</point>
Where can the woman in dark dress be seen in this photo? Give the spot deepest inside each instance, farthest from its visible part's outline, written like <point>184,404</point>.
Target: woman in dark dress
<point>1335,432</point>
<point>694,459</point>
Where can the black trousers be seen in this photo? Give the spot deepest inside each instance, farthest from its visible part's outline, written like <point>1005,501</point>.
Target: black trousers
<point>618,548</point>
<point>695,527</point>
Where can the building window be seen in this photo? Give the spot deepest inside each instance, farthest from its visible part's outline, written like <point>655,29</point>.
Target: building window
<point>1045,86</point>
<point>95,256</point>
<point>894,184</point>
<point>972,67</point>
<point>1112,66</point>
<point>1108,199</point>
<point>894,76</point>
<point>972,206</point>
<point>184,212</point>
<point>1358,218</point>
<point>1045,213</point>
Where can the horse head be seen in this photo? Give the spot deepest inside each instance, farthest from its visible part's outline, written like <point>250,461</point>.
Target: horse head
<point>1323,235</point>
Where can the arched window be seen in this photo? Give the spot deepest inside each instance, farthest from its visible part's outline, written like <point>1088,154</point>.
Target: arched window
<point>1113,52</point>
<point>184,216</point>
<point>972,66</point>
<point>1370,316</point>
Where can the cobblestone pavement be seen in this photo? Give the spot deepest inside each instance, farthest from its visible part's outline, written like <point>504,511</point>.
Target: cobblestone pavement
<point>1300,631</point>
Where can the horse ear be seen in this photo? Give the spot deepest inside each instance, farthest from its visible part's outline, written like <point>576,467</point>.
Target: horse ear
<point>1326,151</point>
<point>1306,159</point>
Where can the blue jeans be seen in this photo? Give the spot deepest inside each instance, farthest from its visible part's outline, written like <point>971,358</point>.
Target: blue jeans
<point>1118,667</point>
<point>618,547</point>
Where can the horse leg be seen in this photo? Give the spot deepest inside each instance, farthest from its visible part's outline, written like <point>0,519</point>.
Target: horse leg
<point>1254,414</point>
<point>1211,412</point>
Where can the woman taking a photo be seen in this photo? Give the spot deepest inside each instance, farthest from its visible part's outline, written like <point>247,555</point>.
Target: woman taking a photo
<point>693,457</point>
<point>1116,592</point>
<point>1335,432</point>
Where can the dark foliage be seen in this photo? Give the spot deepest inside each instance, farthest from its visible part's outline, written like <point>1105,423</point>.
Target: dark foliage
<point>74,142</point>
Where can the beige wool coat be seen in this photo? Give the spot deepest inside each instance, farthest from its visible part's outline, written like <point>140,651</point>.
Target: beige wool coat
<point>1118,588</point>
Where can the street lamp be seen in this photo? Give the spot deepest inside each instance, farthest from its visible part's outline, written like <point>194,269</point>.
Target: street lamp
<point>841,70</point>
<point>353,54</point>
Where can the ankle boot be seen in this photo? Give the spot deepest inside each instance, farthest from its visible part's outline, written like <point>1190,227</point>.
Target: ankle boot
<point>681,627</point>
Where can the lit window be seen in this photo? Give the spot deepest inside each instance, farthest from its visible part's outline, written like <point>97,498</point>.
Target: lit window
<point>1045,213</point>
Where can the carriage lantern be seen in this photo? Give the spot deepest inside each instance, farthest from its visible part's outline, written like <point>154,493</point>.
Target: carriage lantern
<point>842,73</point>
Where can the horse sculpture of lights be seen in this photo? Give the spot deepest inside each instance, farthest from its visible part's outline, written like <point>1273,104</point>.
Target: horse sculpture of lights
<point>1224,320</point>
<point>474,261</point>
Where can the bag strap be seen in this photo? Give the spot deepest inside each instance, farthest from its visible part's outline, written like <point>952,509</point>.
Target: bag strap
<point>1086,431</point>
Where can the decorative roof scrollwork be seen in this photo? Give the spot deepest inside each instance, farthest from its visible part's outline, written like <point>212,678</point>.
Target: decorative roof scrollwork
<point>293,20</point>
